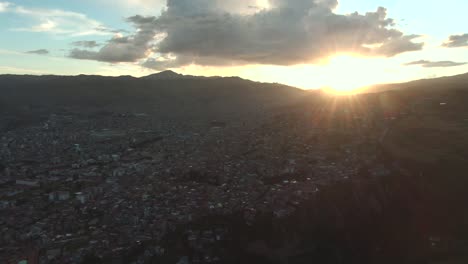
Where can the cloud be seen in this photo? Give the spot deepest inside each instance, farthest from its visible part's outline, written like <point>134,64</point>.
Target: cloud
<point>55,21</point>
<point>110,30</point>
<point>399,45</point>
<point>86,44</point>
<point>281,32</point>
<point>144,3</point>
<point>137,5</point>
<point>4,6</point>
<point>39,52</point>
<point>155,6</point>
<point>124,48</point>
<point>456,41</point>
<point>434,64</point>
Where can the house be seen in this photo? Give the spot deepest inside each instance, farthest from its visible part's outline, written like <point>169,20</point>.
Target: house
<point>217,124</point>
<point>82,197</point>
<point>59,196</point>
<point>6,204</point>
<point>118,172</point>
<point>28,183</point>
<point>379,171</point>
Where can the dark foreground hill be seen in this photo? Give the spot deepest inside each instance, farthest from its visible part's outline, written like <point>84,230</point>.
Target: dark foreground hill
<point>435,127</point>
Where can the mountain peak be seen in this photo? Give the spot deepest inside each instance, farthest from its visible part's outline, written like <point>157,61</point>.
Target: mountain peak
<point>165,75</point>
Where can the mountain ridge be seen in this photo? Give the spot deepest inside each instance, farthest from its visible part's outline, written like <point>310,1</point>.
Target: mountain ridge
<point>453,80</point>
<point>170,75</point>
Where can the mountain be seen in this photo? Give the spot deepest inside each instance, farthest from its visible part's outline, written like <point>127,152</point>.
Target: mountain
<point>164,75</point>
<point>165,95</point>
<point>169,95</point>
<point>451,82</point>
<point>170,75</point>
<point>435,125</point>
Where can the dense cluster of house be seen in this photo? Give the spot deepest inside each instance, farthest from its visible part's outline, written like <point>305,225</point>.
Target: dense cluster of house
<point>72,187</point>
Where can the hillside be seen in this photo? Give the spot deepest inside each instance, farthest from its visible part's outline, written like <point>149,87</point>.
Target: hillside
<point>434,84</point>
<point>167,95</point>
<point>434,127</point>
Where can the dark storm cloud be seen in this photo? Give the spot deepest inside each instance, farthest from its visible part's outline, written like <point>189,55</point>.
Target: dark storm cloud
<point>39,52</point>
<point>434,64</point>
<point>456,41</point>
<point>86,44</point>
<point>207,32</point>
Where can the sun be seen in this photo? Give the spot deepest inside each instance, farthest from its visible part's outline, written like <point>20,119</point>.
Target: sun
<point>347,74</point>
<point>340,74</point>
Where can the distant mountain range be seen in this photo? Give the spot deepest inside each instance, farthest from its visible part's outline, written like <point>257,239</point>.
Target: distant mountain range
<point>450,82</point>
<point>169,94</point>
<point>446,82</point>
<point>166,95</point>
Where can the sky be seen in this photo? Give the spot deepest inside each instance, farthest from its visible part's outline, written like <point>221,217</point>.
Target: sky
<point>304,43</point>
